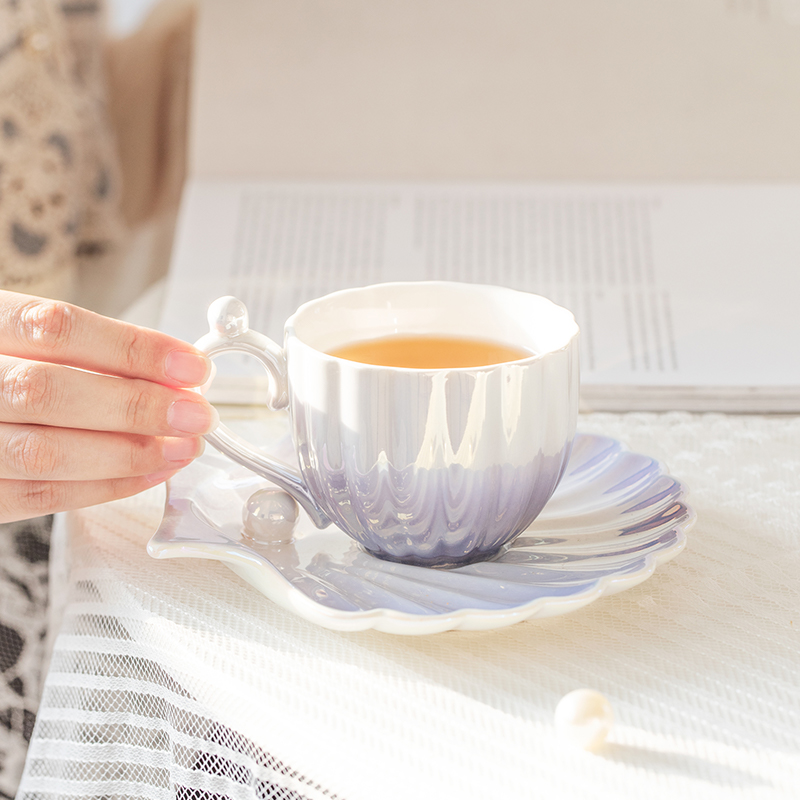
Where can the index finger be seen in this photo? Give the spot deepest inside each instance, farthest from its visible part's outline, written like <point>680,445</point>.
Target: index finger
<point>50,330</point>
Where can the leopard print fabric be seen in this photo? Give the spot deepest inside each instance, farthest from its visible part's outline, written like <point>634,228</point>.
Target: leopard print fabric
<point>24,551</point>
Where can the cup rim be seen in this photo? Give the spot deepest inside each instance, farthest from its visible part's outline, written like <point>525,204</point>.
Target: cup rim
<point>290,332</point>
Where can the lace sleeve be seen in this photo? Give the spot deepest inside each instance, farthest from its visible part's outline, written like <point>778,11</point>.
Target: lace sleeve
<point>59,184</point>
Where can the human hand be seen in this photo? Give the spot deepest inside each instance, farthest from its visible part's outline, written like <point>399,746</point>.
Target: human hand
<point>91,409</point>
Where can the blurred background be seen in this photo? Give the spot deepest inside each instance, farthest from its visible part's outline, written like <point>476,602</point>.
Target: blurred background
<point>126,15</point>
<point>690,90</point>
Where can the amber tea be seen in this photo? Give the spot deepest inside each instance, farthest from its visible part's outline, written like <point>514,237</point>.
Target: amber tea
<point>429,352</point>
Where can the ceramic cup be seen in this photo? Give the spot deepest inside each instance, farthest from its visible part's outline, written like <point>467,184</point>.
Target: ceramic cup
<point>432,467</point>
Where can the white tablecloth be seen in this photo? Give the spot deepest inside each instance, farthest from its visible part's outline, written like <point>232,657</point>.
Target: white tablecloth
<point>177,679</point>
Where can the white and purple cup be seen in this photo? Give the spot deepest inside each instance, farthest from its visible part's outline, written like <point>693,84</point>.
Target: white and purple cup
<point>431,467</point>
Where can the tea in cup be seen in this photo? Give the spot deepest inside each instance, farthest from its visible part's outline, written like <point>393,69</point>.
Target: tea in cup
<point>432,421</point>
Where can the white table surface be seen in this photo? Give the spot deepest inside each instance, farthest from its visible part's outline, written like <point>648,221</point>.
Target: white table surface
<point>159,659</point>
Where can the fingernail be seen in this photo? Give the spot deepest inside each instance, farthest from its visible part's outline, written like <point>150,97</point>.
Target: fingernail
<point>185,367</point>
<point>187,416</point>
<point>160,477</point>
<point>183,449</point>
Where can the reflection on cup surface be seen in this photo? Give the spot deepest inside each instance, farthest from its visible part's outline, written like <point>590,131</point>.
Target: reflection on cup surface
<point>435,466</point>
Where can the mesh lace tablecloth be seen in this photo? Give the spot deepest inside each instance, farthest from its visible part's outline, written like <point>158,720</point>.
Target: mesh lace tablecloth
<point>176,679</point>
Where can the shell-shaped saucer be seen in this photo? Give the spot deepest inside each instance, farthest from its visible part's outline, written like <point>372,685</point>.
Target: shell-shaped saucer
<point>615,516</point>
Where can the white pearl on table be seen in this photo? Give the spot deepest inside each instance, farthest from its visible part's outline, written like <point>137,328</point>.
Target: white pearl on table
<point>583,718</point>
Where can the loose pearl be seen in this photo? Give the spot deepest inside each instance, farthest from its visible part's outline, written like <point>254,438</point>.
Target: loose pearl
<point>583,718</point>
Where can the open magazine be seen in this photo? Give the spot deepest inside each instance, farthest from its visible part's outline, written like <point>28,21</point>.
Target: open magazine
<point>686,294</point>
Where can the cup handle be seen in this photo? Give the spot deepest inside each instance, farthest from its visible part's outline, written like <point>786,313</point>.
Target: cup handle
<point>229,331</point>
